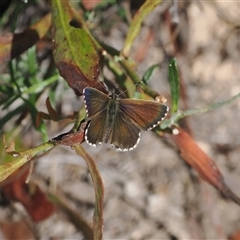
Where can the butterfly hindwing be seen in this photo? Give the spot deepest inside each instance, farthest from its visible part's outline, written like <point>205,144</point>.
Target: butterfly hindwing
<point>95,131</point>
<point>144,113</point>
<point>125,135</point>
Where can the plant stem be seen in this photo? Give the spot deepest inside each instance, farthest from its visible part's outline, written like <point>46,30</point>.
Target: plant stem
<point>99,192</point>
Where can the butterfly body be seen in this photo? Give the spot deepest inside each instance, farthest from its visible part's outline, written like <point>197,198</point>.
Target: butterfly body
<point>111,110</point>
<point>119,121</point>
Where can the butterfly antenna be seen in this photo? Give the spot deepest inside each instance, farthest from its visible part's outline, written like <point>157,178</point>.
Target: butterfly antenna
<point>135,85</point>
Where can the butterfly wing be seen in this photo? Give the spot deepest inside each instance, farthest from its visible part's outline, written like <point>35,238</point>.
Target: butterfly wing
<point>125,135</point>
<point>96,104</point>
<point>95,130</point>
<point>144,113</point>
<point>95,101</point>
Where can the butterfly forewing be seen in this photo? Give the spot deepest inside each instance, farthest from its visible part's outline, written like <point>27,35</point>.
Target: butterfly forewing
<point>144,113</point>
<point>124,136</point>
<point>95,101</point>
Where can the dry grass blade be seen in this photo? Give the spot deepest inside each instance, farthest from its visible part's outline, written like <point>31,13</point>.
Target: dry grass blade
<point>99,192</point>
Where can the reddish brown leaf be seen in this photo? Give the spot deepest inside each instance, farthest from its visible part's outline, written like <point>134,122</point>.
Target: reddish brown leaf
<point>76,79</point>
<point>16,230</point>
<point>40,116</point>
<point>52,112</point>
<point>201,162</point>
<point>88,5</point>
<point>31,196</point>
<point>235,236</point>
<point>53,115</point>
<point>71,138</point>
<point>9,148</point>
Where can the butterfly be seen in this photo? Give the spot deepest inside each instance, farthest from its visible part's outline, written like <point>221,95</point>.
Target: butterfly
<point>119,121</point>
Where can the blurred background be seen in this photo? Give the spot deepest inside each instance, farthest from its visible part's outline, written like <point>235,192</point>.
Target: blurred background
<point>150,192</point>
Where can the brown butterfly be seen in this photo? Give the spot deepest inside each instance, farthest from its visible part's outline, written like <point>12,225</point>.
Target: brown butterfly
<point>119,121</point>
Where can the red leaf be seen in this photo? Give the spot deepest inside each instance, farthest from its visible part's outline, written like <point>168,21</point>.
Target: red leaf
<point>36,204</point>
<point>76,78</point>
<point>235,236</point>
<point>71,138</point>
<point>201,162</point>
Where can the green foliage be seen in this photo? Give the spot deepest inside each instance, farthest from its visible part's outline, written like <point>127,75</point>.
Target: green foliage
<point>147,75</point>
<point>22,87</point>
<point>174,84</point>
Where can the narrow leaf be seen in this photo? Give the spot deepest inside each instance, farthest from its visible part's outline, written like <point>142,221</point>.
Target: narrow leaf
<point>99,192</point>
<point>147,75</point>
<point>174,84</point>
<point>135,26</point>
<point>11,114</point>
<point>12,45</point>
<point>40,86</point>
<point>210,107</point>
<point>201,162</point>
<point>52,112</point>
<point>181,114</point>
<point>39,117</point>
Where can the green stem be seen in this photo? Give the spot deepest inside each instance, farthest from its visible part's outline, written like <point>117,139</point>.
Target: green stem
<point>33,151</point>
<point>135,78</point>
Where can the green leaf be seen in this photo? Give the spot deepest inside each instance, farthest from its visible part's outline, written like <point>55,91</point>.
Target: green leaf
<point>74,51</point>
<point>174,84</point>
<point>21,158</point>
<point>147,75</point>
<point>135,26</point>
<point>40,86</point>
<point>8,168</point>
<point>8,101</point>
<point>181,114</point>
<point>11,114</point>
